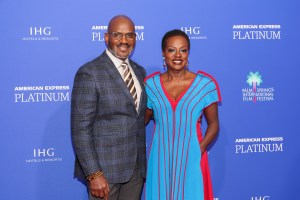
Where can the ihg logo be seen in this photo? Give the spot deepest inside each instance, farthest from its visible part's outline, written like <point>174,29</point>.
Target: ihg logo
<point>43,152</point>
<point>39,31</point>
<point>191,30</point>
<point>261,198</point>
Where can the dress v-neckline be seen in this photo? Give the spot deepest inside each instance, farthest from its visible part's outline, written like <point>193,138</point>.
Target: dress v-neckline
<point>173,102</point>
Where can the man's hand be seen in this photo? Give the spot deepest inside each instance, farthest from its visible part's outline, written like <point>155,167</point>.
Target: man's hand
<point>99,187</point>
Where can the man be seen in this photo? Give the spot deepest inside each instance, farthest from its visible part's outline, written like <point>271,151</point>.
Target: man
<point>107,120</point>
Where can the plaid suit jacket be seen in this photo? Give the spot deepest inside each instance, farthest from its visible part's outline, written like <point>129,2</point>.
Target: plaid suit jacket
<point>108,134</point>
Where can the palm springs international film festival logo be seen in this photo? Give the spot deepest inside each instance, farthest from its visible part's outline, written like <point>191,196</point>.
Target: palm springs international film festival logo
<point>256,93</point>
<point>98,32</point>
<point>40,33</point>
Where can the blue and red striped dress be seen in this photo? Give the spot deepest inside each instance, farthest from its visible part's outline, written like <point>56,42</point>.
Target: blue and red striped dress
<point>176,169</point>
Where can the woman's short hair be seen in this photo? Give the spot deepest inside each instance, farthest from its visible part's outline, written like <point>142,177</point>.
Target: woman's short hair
<point>175,32</point>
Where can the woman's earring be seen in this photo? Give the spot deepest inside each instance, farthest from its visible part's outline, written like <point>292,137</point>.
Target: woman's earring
<point>164,63</point>
<point>187,65</point>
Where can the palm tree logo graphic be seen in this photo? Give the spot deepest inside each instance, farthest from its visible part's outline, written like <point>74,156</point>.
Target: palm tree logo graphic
<point>254,80</point>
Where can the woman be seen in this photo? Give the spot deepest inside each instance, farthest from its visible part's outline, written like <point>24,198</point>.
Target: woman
<point>176,100</point>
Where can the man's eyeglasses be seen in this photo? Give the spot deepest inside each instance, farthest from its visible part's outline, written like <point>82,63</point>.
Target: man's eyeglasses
<point>119,36</point>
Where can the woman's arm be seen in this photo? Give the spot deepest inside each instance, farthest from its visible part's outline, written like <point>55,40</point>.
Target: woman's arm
<point>148,116</point>
<point>211,115</point>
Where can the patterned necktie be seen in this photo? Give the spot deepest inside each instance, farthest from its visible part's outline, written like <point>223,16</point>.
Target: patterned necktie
<point>129,82</point>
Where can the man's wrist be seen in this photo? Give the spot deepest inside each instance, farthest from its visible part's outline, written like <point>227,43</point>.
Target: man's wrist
<point>94,175</point>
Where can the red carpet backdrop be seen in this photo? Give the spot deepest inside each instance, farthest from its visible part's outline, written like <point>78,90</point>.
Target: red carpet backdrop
<point>250,47</point>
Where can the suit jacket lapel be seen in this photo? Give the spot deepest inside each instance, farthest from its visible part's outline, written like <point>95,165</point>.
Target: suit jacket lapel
<point>139,75</point>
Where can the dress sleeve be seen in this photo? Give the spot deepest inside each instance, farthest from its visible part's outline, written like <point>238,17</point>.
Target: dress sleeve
<point>211,91</point>
<point>149,100</point>
<point>148,85</point>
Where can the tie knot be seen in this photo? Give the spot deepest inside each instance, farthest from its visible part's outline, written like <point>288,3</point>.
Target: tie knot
<point>124,65</point>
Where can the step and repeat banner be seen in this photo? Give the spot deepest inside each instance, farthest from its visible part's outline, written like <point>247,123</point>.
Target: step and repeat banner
<point>251,47</point>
